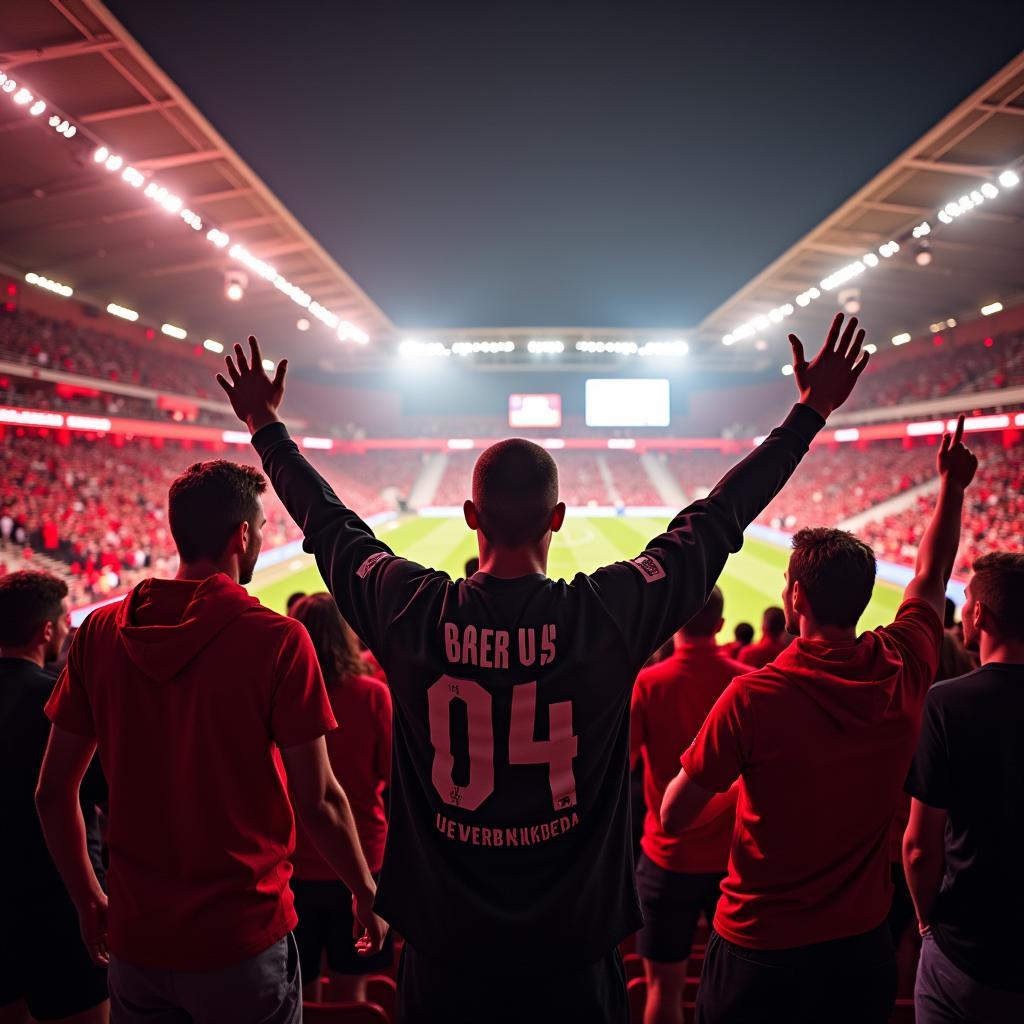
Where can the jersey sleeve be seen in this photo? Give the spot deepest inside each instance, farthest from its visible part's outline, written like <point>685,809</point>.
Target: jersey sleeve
<point>916,633</point>
<point>69,707</point>
<point>656,593</point>
<point>637,723</point>
<point>300,709</point>
<point>383,749</point>
<point>715,758</point>
<point>367,580</point>
<point>929,779</point>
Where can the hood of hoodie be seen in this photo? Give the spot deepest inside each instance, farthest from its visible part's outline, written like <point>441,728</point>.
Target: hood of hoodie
<point>853,683</point>
<point>160,638</point>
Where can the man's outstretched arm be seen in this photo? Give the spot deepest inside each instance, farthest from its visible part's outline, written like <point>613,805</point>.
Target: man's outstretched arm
<point>346,550</point>
<point>936,555</point>
<point>685,562</point>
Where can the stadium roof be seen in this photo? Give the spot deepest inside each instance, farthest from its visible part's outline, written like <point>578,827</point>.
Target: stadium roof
<point>71,218</point>
<point>977,258</point>
<point>68,217</point>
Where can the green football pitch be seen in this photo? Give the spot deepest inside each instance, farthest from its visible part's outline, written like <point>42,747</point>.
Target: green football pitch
<point>752,579</point>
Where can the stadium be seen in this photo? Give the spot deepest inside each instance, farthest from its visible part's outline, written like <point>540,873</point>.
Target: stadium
<point>138,246</point>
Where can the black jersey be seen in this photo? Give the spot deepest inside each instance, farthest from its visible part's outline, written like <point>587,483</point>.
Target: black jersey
<point>509,834</point>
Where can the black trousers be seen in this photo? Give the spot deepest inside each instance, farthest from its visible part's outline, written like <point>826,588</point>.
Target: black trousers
<point>847,981</point>
<point>432,991</point>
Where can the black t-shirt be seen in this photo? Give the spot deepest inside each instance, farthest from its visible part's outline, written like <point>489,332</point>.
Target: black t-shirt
<point>509,837</point>
<point>970,761</point>
<point>24,730</point>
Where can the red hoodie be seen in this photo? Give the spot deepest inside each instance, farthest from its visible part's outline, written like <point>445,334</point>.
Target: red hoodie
<point>189,689</point>
<point>821,740</point>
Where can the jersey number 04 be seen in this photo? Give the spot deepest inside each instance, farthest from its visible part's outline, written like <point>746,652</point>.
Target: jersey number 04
<point>557,752</point>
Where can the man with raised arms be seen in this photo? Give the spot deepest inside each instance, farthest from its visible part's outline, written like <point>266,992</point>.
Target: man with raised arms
<point>508,865</point>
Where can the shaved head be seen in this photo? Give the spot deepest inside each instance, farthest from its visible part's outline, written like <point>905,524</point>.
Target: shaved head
<point>515,491</point>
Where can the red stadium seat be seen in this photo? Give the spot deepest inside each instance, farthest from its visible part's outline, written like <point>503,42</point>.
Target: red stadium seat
<point>636,994</point>
<point>344,1013</point>
<point>634,965</point>
<point>380,989</point>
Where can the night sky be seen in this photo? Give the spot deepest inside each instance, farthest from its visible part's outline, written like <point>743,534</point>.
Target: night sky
<point>562,164</point>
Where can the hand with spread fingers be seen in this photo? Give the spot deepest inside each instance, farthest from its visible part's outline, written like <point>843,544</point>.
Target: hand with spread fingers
<point>826,382</point>
<point>254,396</point>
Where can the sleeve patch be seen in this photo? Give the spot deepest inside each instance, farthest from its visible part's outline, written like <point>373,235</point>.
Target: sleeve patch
<point>367,567</point>
<point>650,568</point>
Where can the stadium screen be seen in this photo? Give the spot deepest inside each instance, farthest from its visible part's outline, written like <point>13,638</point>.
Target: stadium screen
<point>627,403</point>
<point>534,410</point>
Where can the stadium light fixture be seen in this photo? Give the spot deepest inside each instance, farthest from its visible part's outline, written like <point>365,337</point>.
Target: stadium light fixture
<point>37,108</point>
<point>460,444</point>
<point>413,348</point>
<point>922,254</point>
<point>236,437</point>
<point>998,421</point>
<point>324,444</point>
<point>787,370</point>
<point>951,321</point>
<point>927,429</point>
<point>468,348</point>
<point>901,339</point>
<point>669,349</point>
<point>622,348</point>
<point>302,324</point>
<point>848,434</point>
<point>173,331</point>
<point>349,332</point>
<point>992,307</point>
<point>870,349</point>
<point>57,287</point>
<point>545,346</point>
<point>28,418</point>
<point>213,346</point>
<point>235,283</point>
<point>621,443</point>
<point>22,97</point>
<point>1009,179</point>
<point>122,311</point>
<point>268,365</point>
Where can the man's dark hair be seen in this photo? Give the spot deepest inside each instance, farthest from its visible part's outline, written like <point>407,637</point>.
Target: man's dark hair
<point>706,621</point>
<point>206,504</point>
<point>998,583</point>
<point>744,633</point>
<point>28,600</point>
<point>773,622</point>
<point>293,600</point>
<point>836,572</point>
<point>515,490</point>
<point>949,618</point>
<point>472,566</point>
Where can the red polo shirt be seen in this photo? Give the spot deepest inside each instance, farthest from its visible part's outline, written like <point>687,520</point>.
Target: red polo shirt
<point>670,702</point>
<point>189,690</point>
<point>821,741</point>
<point>360,753</point>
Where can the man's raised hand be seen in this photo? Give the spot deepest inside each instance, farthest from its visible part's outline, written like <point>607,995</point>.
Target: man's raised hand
<point>826,382</point>
<point>957,464</point>
<point>254,396</point>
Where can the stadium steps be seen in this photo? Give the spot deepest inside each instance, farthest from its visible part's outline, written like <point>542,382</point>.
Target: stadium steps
<point>890,506</point>
<point>664,483</point>
<point>608,479</point>
<point>425,485</point>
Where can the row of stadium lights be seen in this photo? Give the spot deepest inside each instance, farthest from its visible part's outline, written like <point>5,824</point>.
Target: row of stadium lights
<point>951,211</point>
<point>114,163</point>
<point>413,348</point>
<point>346,331</point>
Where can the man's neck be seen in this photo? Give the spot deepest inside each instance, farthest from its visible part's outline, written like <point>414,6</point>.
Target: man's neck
<point>511,563</point>
<point>37,655</point>
<point>202,570</point>
<point>993,651</point>
<point>825,634</point>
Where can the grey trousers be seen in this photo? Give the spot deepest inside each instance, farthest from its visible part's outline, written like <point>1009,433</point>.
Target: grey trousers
<point>944,994</point>
<point>265,989</point>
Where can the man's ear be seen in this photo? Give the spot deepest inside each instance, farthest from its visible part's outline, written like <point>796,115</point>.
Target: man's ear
<point>46,631</point>
<point>718,628</point>
<point>558,517</point>
<point>799,599</point>
<point>469,511</point>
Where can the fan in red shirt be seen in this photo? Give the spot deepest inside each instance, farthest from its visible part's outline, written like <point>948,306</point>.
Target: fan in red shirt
<point>198,698</point>
<point>743,635</point>
<point>774,639</point>
<point>360,754</point>
<point>678,876</point>
<point>820,740</point>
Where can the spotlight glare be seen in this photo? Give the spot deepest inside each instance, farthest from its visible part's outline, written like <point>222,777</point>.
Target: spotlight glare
<point>900,339</point>
<point>1009,179</point>
<point>174,332</point>
<point>992,307</point>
